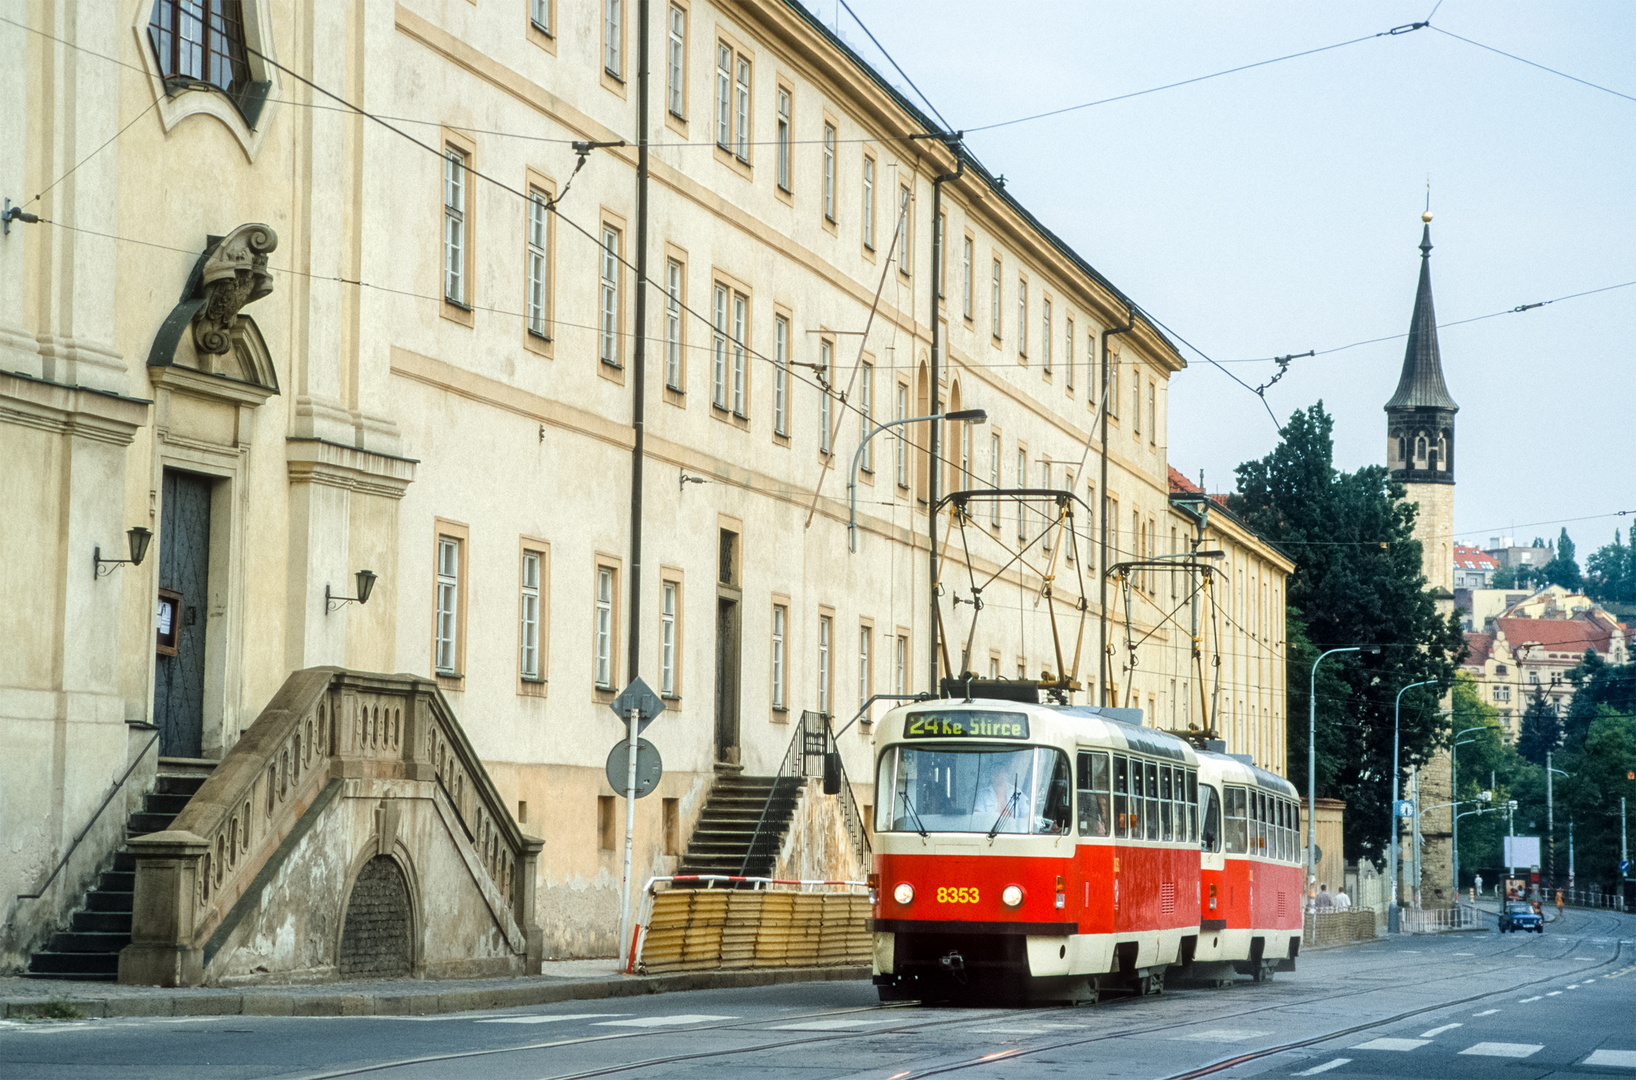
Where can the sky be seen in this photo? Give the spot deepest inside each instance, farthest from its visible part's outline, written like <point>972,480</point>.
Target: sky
<point>1277,210</point>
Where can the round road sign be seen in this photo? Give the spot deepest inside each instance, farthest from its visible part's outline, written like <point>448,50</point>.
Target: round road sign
<point>648,767</point>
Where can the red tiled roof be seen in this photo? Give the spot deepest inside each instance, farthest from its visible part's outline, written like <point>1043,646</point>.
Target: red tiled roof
<point>1470,558</point>
<point>1481,645</point>
<point>1181,484</point>
<point>1557,635</point>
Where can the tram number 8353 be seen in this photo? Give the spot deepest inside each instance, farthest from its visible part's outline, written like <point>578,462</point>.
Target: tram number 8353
<point>957,896</point>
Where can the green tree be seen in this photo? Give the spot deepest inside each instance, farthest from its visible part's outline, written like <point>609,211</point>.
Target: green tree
<point>1610,572</point>
<point>1599,774</point>
<point>1357,581</point>
<point>1562,569</point>
<point>1540,730</point>
<point>1481,759</point>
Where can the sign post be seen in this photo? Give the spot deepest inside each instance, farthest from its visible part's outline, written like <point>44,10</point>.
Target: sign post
<point>637,705</point>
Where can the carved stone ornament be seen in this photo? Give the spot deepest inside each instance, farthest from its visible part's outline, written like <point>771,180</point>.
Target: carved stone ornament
<point>234,274</point>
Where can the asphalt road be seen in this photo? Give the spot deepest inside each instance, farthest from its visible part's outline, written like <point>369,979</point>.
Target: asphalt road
<point>1516,1007</point>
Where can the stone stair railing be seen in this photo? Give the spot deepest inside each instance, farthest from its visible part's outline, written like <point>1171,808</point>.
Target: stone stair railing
<point>325,726</point>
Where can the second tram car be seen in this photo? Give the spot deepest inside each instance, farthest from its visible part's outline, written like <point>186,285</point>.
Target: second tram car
<point>1250,869</point>
<point>1040,850</point>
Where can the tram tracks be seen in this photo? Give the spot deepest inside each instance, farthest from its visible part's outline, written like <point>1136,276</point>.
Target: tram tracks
<point>987,1016</point>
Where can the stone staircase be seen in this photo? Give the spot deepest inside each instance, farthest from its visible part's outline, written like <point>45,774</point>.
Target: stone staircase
<point>89,949</point>
<point>742,812</point>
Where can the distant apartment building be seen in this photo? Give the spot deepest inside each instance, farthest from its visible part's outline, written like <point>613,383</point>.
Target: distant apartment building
<point>1534,644</point>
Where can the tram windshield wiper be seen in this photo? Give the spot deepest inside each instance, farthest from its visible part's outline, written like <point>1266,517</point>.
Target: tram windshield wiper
<point>1008,811</point>
<point>909,804</point>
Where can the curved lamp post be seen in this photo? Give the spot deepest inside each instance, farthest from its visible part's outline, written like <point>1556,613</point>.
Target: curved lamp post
<point>970,416</point>
<point>1391,859</point>
<point>1312,763</point>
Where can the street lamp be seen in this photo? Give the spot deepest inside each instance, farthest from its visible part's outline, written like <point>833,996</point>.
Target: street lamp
<point>970,416</point>
<point>1550,824</point>
<point>1391,858</point>
<point>1312,762</point>
<point>1454,789</point>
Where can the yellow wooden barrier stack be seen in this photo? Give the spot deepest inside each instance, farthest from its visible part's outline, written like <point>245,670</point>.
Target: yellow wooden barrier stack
<point>752,923</point>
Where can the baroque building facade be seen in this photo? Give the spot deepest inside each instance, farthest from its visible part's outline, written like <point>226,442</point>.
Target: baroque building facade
<point>323,289</point>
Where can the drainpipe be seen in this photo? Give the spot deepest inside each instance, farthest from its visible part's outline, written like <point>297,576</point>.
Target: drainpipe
<point>1102,575</point>
<point>639,347</point>
<point>934,442</point>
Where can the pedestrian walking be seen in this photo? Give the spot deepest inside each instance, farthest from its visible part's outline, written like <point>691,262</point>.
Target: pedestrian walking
<point>1559,903</point>
<point>1343,902</point>
<point>1478,881</point>
<point>1326,902</point>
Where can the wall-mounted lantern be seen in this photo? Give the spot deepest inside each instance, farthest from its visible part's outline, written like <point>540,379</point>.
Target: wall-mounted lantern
<point>366,585</point>
<point>138,537</point>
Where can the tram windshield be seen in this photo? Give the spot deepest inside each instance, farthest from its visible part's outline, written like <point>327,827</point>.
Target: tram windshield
<point>973,789</point>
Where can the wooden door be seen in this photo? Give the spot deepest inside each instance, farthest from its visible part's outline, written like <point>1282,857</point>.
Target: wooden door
<point>184,569</point>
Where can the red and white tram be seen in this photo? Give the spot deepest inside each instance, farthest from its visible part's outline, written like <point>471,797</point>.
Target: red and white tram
<point>1035,849</point>
<point>1250,869</point>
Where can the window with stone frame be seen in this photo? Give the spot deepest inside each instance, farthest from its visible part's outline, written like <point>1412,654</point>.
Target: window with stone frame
<point>202,42</point>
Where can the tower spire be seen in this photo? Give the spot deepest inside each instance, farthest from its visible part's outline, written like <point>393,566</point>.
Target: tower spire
<point>1421,384</point>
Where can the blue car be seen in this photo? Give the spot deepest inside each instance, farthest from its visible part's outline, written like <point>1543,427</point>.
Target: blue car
<point>1518,915</point>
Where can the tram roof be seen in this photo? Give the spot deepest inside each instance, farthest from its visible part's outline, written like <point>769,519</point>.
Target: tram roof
<point>1262,777</point>
<point>1142,739</point>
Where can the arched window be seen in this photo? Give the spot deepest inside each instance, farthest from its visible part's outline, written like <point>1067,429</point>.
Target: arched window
<point>1443,451</point>
<point>202,41</point>
<point>1419,449</point>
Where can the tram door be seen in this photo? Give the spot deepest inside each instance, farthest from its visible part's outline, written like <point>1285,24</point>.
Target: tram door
<point>1212,863</point>
<point>184,586</point>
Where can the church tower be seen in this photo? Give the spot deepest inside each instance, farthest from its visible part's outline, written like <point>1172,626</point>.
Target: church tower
<point>1420,436</point>
<point>1420,453</point>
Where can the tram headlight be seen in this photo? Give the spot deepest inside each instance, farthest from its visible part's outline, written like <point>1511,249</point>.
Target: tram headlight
<point>1012,896</point>
<point>904,893</point>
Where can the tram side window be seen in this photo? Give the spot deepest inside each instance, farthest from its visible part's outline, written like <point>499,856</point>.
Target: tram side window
<point>1262,848</point>
<point>1167,815</point>
<point>1093,794</point>
<point>1210,839</point>
<point>1237,825</point>
<point>1292,818</point>
<point>1192,805</point>
<point>1288,846</point>
<point>1121,797</point>
<point>1275,808</point>
<point>1152,800</point>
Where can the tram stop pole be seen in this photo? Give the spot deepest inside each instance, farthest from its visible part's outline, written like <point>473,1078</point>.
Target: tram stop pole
<point>633,720</point>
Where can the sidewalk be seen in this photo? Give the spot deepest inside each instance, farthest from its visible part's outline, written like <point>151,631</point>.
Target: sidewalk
<point>563,980</point>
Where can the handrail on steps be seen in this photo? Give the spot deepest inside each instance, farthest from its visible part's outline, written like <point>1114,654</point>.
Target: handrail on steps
<point>120,783</point>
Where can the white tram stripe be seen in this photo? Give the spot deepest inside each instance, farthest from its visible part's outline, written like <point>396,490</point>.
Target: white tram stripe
<point>1505,1050</point>
<point>1436,1031</point>
<point>665,1021</point>
<point>1619,1059</point>
<point>547,1019</point>
<point>1325,1067</point>
<point>1392,1044</point>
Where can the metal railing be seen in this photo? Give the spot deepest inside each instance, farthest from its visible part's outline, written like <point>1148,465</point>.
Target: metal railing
<point>39,890</point>
<point>1593,898</point>
<point>1441,920</point>
<point>810,740</point>
<point>856,829</point>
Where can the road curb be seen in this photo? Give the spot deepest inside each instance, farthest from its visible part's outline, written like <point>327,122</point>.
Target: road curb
<point>434,1000</point>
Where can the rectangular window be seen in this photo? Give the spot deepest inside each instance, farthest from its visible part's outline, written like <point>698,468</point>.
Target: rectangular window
<point>780,617</point>
<point>718,349</point>
<point>824,349</point>
<point>1121,796</point>
<point>612,37</point>
<point>900,663</point>
<point>1045,506</point>
<point>673,324</point>
<point>866,397</point>
<point>783,139</point>
<point>1092,391</point>
<point>1022,316</point>
<point>906,250</point>
<point>739,305</point>
<point>1112,375</point>
<point>964,478</point>
<point>869,202</point>
<point>902,439</point>
<point>994,302</point>
<point>671,819</point>
<point>781,375</point>
<point>1152,413</point>
<point>537,283</point>
<point>742,97</point>
<point>724,96</point>
<point>454,226</point>
<point>940,243</point>
<point>676,63</point>
<point>1136,403</point>
<point>965,278</point>
<point>539,13</point>
<point>829,172</point>
<point>609,348</point>
<point>994,479</point>
<point>529,607</point>
<point>1045,335</point>
<point>604,643</point>
<point>1093,794</point>
<point>825,624</point>
<point>447,656</point>
<point>866,636</point>
<point>1068,353</point>
<point>667,637</point>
